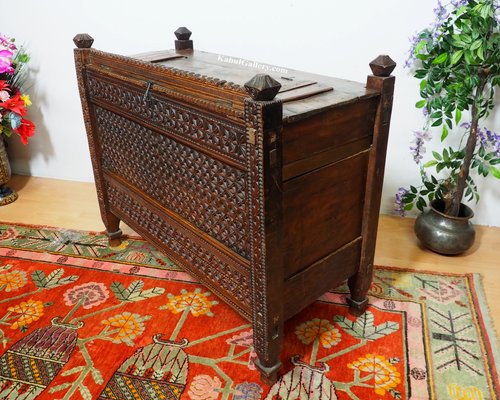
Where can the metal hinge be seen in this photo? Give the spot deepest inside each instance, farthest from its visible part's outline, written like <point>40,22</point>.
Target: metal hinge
<point>251,136</point>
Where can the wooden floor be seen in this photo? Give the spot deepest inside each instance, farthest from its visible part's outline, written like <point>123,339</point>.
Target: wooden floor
<point>74,205</point>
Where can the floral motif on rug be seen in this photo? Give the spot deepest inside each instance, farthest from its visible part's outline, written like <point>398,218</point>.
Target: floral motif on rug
<point>81,321</point>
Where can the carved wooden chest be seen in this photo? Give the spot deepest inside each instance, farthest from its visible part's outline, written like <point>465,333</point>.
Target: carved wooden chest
<point>264,187</point>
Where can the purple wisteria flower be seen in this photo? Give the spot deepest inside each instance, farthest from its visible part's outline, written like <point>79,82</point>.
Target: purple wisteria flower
<point>459,3</point>
<point>414,41</point>
<point>399,205</point>
<point>488,139</point>
<point>425,112</point>
<point>417,148</point>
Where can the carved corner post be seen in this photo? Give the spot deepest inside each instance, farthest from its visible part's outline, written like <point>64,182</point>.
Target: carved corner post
<point>263,119</point>
<point>383,82</point>
<point>83,43</point>
<point>183,42</point>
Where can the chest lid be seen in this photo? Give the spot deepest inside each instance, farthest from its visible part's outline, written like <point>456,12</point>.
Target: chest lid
<point>302,93</point>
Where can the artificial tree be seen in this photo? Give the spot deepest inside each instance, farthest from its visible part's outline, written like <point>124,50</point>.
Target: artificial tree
<point>457,63</point>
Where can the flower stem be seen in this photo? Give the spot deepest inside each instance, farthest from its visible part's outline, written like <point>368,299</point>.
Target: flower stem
<point>92,314</point>
<point>20,296</point>
<point>180,323</point>
<point>314,352</point>
<point>72,311</point>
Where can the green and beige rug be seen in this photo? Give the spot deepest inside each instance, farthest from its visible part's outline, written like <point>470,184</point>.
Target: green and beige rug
<point>79,320</point>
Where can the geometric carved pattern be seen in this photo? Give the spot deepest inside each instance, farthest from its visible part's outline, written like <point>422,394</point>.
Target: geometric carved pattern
<point>253,117</point>
<point>198,256</point>
<point>258,195</point>
<point>186,123</point>
<point>204,191</point>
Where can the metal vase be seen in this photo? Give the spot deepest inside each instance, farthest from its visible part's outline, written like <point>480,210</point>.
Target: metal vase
<point>7,195</point>
<point>443,233</point>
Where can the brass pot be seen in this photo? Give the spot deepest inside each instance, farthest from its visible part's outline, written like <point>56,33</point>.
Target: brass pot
<point>443,233</point>
<point>7,195</point>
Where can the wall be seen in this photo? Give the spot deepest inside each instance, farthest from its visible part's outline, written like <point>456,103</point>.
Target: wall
<point>336,38</point>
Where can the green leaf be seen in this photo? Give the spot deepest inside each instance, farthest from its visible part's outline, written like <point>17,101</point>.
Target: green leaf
<point>423,84</point>
<point>481,151</point>
<point>420,104</point>
<point>430,163</point>
<point>134,291</point>
<point>119,290</point>
<point>421,203</point>
<point>408,207</point>
<point>420,73</point>
<point>135,286</point>
<point>96,375</point>
<point>68,279</point>
<point>456,57</point>
<point>485,11</point>
<point>146,294</point>
<point>436,155</point>
<point>446,155</point>
<point>39,279</point>
<point>495,172</point>
<point>84,391</point>
<point>364,328</point>
<point>476,44</point>
<point>413,189</point>
<point>444,133</point>
<point>429,186</point>
<point>458,116</point>
<point>73,371</point>
<point>440,59</point>
<point>53,278</point>
<point>480,53</point>
<point>420,45</point>
<point>437,122</point>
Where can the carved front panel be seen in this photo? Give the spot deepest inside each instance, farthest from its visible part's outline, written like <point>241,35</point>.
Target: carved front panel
<point>206,192</point>
<point>218,136</point>
<point>205,259</point>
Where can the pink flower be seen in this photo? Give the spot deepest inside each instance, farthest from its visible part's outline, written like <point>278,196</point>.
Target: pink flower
<point>5,61</point>
<point>90,294</point>
<point>4,95</point>
<point>204,387</point>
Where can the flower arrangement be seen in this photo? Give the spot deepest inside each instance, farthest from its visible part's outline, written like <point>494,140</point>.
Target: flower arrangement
<point>457,61</point>
<point>13,102</point>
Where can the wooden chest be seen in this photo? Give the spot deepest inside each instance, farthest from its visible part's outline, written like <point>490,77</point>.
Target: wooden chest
<point>264,187</point>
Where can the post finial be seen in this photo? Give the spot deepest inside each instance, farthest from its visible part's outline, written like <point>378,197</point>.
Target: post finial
<point>183,43</point>
<point>382,66</point>
<point>83,41</point>
<point>262,87</point>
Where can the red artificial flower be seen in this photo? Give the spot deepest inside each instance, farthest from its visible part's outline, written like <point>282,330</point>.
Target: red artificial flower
<point>15,104</point>
<point>3,85</point>
<point>25,130</point>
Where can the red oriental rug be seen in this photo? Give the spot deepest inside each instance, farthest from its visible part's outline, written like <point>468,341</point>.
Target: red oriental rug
<point>79,320</point>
